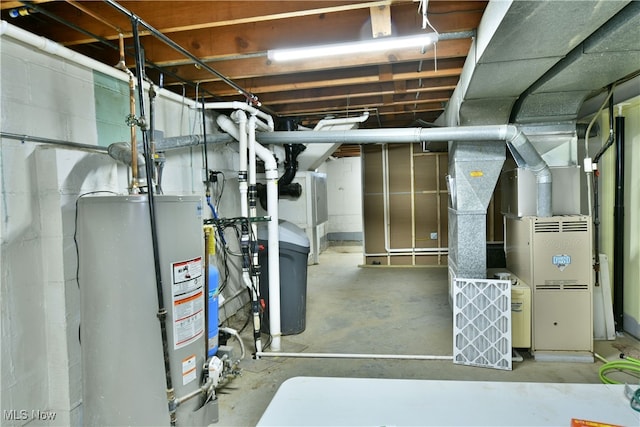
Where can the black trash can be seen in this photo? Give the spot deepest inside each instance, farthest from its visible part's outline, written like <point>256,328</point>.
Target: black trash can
<point>294,252</point>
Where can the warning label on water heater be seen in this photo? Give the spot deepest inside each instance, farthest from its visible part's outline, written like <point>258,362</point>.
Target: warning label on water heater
<point>187,295</point>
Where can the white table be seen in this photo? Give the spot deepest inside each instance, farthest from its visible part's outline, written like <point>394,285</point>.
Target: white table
<point>313,401</point>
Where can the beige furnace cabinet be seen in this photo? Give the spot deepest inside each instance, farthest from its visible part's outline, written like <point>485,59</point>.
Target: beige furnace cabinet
<point>553,255</point>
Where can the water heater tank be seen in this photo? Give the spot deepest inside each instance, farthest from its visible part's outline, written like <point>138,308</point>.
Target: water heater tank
<point>123,370</point>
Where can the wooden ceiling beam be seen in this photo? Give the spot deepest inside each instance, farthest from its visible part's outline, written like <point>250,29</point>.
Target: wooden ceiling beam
<point>16,4</point>
<point>397,86</point>
<point>260,66</point>
<point>358,75</point>
<point>238,40</point>
<point>376,90</point>
<point>187,16</point>
<point>351,104</point>
<point>222,90</point>
<point>250,39</point>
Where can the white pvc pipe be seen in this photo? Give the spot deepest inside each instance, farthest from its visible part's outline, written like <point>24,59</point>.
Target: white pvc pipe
<point>385,195</point>
<point>251,130</point>
<point>236,105</point>
<point>271,173</point>
<point>241,118</point>
<point>56,49</point>
<point>241,136</point>
<point>354,356</point>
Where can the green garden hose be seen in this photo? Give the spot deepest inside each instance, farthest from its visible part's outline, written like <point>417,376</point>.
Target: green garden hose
<point>627,364</point>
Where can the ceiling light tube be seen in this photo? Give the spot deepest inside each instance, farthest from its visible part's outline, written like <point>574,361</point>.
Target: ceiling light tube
<point>374,45</point>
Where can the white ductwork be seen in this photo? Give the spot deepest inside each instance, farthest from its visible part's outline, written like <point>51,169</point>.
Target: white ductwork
<point>341,122</point>
<point>316,154</point>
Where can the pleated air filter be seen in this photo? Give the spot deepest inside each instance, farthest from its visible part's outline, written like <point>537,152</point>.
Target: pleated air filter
<point>482,323</point>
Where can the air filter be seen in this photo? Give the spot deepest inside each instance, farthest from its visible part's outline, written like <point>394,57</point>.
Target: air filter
<point>482,323</point>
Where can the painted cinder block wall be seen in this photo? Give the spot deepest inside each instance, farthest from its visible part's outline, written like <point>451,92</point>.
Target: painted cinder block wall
<point>49,97</point>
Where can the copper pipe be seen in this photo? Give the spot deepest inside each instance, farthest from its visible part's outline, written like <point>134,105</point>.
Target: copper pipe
<point>121,65</point>
<point>134,142</point>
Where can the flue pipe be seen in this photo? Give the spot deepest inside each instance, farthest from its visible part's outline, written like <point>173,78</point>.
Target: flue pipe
<point>122,152</point>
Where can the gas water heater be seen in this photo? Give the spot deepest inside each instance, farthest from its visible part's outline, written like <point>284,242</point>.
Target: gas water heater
<point>123,370</point>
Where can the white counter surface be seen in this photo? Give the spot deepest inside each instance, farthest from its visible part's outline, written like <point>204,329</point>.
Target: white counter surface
<point>314,401</point>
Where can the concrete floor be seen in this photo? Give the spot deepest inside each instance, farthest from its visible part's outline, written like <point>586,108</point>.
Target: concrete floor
<point>354,309</point>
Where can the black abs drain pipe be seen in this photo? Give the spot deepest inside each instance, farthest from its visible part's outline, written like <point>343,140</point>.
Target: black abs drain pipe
<point>618,229</point>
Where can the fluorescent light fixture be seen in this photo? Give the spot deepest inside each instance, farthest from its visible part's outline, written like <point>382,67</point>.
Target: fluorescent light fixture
<point>375,45</point>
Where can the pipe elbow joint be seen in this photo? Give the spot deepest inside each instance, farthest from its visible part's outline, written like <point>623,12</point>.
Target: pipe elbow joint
<point>543,176</point>
<point>238,116</point>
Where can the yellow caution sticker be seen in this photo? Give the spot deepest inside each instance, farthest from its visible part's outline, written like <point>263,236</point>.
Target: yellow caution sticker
<point>476,174</point>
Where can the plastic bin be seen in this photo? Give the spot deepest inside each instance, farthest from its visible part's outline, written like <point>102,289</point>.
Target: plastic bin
<point>294,252</point>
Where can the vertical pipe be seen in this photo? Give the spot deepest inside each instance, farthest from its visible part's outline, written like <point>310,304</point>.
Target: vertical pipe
<point>250,133</point>
<point>413,205</point>
<point>162,311</point>
<point>438,207</point>
<point>240,118</point>
<point>596,203</point>
<point>385,200</point>
<point>618,229</point>
<point>133,136</point>
<point>241,135</point>
<point>271,172</point>
<point>152,128</point>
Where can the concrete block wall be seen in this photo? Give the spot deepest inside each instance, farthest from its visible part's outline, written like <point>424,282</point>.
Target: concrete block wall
<point>49,97</point>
